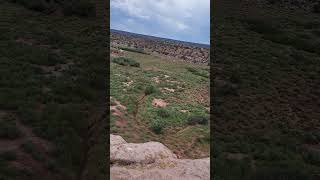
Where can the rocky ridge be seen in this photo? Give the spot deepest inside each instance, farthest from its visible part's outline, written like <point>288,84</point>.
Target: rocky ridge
<point>188,53</point>
<point>152,161</point>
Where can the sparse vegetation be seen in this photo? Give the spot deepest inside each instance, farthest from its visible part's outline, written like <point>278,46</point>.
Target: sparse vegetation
<point>199,72</point>
<point>8,129</point>
<point>157,126</point>
<point>52,84</point>
<point>163,113</point>
<point>8,156</point>
<point>263,61</point>
<point>126,62</point>
<point>133,50</point>
<point>150,89</point>
<point>31,148</point>
<point>84,8</point>
<point>193,120</point>
<point>161,96</point>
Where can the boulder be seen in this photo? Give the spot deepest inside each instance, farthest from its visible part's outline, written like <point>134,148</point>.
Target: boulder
<point>144,153</point>
<point>116,140</point>
<point>175,169</point>
<point>152,161</point>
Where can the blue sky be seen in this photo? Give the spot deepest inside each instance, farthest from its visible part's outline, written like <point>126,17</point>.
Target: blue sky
<point>186,20</point>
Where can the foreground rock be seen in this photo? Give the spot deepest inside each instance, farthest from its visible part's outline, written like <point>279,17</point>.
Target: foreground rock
<point>152,161</point>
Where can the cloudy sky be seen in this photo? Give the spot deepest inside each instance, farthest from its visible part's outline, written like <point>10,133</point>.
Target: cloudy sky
<point>186,20</point>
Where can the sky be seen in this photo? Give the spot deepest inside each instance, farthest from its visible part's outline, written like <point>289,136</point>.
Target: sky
<point>185,20</point>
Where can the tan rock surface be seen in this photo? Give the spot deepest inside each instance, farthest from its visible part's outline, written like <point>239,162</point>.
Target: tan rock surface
<point>152,161</point>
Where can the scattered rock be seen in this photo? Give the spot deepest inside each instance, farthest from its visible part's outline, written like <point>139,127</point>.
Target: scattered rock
<point>159,103</point>
<point>128,83</point>
<point>169,89</point>
<point>184,111</point>
<point>156,79</point>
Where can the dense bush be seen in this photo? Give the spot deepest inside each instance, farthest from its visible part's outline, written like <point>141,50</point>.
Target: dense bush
<point>133,50</point>
<point>30,148</point>
<point>84,8</point>
<point>8,156</point>
<point>157,126</point>
<point>126,62</point>
<point>8,129</point>
<point>279,173</point>
<point>312,157</point>
<point>150,89</point>
<point>199,72</point>
<point>316,8</point>
<point>163,113</point>
<point>193,120</point>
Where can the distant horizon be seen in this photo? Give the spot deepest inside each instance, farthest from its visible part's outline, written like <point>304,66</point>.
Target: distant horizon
<point>181,20</point>
<point>160,37</point>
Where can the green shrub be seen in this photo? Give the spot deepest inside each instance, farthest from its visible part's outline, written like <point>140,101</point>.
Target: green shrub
<point>226,89</point>
<point>157,126</point>
<point>230,169</point>
<point>316,8</point>
<point>262,27</point>
<point>44,6</point>
<point>279,173</point>
<point>126,62</point>
<point>162,113</point>
<point>133,50</point>
<point>31,148</point>
<point>8,129</point>
<point>38,5</point>
<point>52,165</point>
<point>84,8</point>
<point>8,156</point>
<point>150,89</point>
<point>311,156</point>
<point>193,120</point>
<point>198,72</point>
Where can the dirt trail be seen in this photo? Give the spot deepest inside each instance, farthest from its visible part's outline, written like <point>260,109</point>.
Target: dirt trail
<point>23,159</point>
<point>27,135</point>
<point>138,103</point>
<point>91,138</point>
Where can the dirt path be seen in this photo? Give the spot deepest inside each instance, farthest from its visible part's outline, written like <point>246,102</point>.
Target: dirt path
<point>90,139</point>
<point>23,159</point>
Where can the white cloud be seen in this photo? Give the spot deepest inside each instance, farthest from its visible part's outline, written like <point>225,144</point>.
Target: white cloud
<point>177,15</point>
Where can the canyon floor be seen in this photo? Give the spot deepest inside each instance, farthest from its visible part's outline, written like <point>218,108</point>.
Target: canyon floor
<point>161,100</point>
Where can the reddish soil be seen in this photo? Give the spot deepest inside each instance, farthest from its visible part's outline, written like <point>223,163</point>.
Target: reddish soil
<point>24,160</point>
<point>119,111</point>
<point>159,103</point>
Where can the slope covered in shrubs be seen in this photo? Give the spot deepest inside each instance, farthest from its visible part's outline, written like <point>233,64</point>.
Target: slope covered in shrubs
<point>83,8</point>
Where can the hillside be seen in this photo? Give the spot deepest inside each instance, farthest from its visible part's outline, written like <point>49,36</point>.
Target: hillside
<point>158,99</point>
<point>266,92</point>
<point>51,111</point>
<point>167,48</point>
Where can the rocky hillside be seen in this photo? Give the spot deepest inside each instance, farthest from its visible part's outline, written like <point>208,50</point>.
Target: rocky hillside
<point>266,93</point>
<point>152,160</point>
<point>189,53</point>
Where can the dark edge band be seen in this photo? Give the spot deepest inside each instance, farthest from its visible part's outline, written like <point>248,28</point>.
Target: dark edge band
<point>212,59</point>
